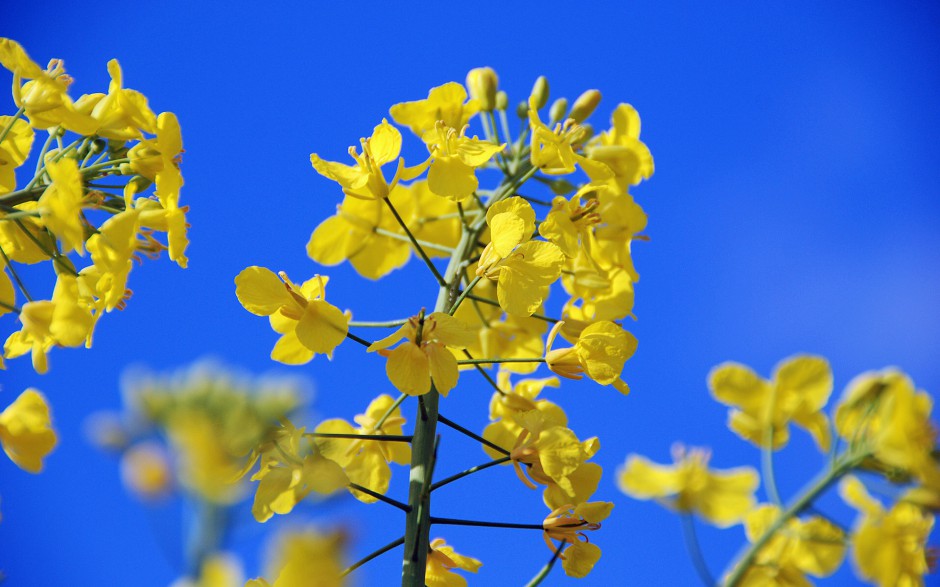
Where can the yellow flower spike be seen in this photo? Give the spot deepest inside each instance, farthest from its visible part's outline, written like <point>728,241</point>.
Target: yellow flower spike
<point>447,103</point>
<point>61,204</point>
<point>568,524</point>
<point>812,547</point>
<point>366,461</point>
<point>307,323</point>
<point>454,161</point>
<point>554,151</point>
<point>721,497</point>
<point>600,353</point>
<point>881,412</point>
<point>424,356</point>
<point>799,390</point>
<point>442,560</point>
<point>26,431</point>
<point>365,179</point>
<point>65,320</point>
<point>888,546</point>
<point>621,150</point>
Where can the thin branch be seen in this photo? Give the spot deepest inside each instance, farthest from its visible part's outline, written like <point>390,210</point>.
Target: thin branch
<point>509,360</point>
<point>495,303</point>
<point>485,524</point>
<point>361,341</point>
<point>469,433</point>
<point>464,294</point>
<point>417,246</point>
<point>469,471</point>
<point>386,324</point>
<point>385,499</point>
<point>537,580</point>
<point>485,374</point>
<point>695,550</point>
<point>373,555</point>
<point>402,237</point>
<point>354,436</point>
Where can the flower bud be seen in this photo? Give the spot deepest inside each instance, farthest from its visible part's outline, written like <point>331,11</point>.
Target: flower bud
<point>557,112</point>
<point>522,110</point>
<point>482,83</point>
<point>585,105</point>
<point>539,93</point>
<point>502,100</point>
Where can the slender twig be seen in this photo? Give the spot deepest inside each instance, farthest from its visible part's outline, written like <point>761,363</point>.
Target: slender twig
<point>537,580</point>
<point>56,255</point>
<point>16,277</point>
<point>476,437</point>
<point>469,471</point>
<point>383,498</point>
<point>13,119</point>
<point>767,451</point>
<point>695,550</point>
<point>495,303</point>
<point>485,524</point>
<point>386,324</point>
<point>427,260</point>
<point>354,436</point>
<point>402,237</point>
<point>10,307</point>
<point>361,341</point>
<point>506,360</point>
<point>485,375</point>
<point>389,411</point>
<point>373,555</point>
<point>464,294</point>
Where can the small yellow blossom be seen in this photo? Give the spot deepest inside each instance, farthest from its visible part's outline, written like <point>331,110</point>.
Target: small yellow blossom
<point>218,569</point>
<point>600,353</point>
<point>621,150</point>
<point>551,453</point>
<point>722,497</point>
<point>158,159</point>
<point>61,204</point>
<point>121,113</point>
<point>146,471</point>
<point>447,103</point>
<point>483,84</point>
<point>569,523</point>
<point>365,179</point>
<point>305,558</point>
<point>307,324</point>
<point>568,222</point>
<point>424,356</point>
<point>26,431</point>
<point>366,461</point>
<point>799,390</point>
<point>441,562</point>
<point>205,465</point>
<point>454,161</point>
<point>519,399</point>
<point>13,150</point>
<point>20,246</point>
<point>812,547</point>
<point>554,152</point>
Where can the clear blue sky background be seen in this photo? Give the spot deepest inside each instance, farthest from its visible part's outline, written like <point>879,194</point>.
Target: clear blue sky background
<point>794,209</point>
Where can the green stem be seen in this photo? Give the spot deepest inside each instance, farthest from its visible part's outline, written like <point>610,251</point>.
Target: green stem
<point>485,524</point>
<point>9,127</point>
<point>373,555</point>
<point>414,242</point>
<point>379,496</point>
<point>537,580</point>
<point>402,237</point>
<point>387,324</point>
<point>388,412</point>
<point>16,277</point>
<point>10,307</point>
<point>354,436</point>
<point>495,303</point>
<point>485,375</point>
<point>815,488</point>
<point>767,451</point>
<point>355,338</point>
<point>469,471</point>
<point>464,294</point>
<point>489,361</point>
<point>695,550</point>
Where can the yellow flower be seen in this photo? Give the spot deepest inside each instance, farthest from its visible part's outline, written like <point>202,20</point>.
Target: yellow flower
<point>65,320</point>
<point>305,558</point>
<point>882,412</point>
<point>61,204</point>
<point>815,547</point>
<point>888,546</point>
<point>569,525</point>
<point>554,151</point>
<point>568,222</point>
<point>44,98</point>
<point>504,430</point>
<point>158,159</point>
<point>121,113</point>
<point>218,569</point>
<point>291,468</point>
<point>454,161</point>
<point>483,84</point>
<point>799,390</point>
<point>600,353</point>
<point>552,453</point>
<point>307,324</point>
<point>621,150</point>
<point>26,431</point>
<point>447,103</point>
<point>13,150</point>
<point>365,179</point>
<point>205,466</point>
<point>522,269</point>
<point>424,356</point>
<point>442,560</point>
<point>366,461</point>
<point>145,470</point>
<point>21,247</point>
<point>722,497</point>
<point>112,249</point>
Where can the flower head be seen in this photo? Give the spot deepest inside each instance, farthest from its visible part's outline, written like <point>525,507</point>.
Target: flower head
<point>26,432</point>
<point>568,524</point>
<point>600,353</point>
<point>441,562</point>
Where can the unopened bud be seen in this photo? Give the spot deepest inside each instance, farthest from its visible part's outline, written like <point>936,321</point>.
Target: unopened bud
<point>539,93</point>
<point>482,83</point>
<point>557,112</point>
<point>522,110</point>
<point>502,100</point>
<point>585,105</point>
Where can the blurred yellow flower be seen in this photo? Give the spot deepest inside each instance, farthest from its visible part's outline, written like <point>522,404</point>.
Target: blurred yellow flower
<point>305,558</point>
<point>442,560</point>
<point>721,497</point>
<point>146,471</point>
<point>26,431</point>
<point>798,392</point>
<point>569,525</point>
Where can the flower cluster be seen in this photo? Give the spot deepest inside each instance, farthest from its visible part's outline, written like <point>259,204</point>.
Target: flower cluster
<point>883,429</point>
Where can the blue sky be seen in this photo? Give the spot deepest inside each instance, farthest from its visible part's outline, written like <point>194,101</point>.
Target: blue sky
<point>794,209</point>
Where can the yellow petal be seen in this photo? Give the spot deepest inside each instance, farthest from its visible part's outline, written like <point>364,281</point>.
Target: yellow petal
<point>517,207</point>
<point>290,351</point>
<point>506,232</point>
<point>443,366</point>
<point>26,431</point>
<point>385,144</point>
<point>260,291</point>
<point>408,370</point>
<point>807,377</point>
<point>452,178</point>
<point>737,385</point>
<point>643,479</point>
<point>322,327</point>
<point>579,558</point>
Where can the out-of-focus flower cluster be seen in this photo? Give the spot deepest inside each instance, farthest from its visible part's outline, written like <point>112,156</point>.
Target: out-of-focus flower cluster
<point>105,181</point>
<point>880,428</point>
